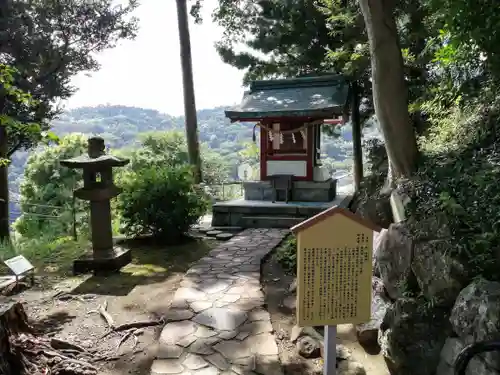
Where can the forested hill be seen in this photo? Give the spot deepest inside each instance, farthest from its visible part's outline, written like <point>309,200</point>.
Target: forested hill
<point>120,126</point>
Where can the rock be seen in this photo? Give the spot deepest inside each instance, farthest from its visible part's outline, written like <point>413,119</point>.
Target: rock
<point>293,286</point>
<point>377,210</point>
<point>174,315</point>
<point>166,366</point>
<point>290,302</point>
<point>205,229</point>
<point>343,353</point>
<point>440,277</point>
<point>308,347</point>
<point>213,233</point>
<point>298,332</point>
<point>452,347</point>
<point>476,315</point>
<point>411,337</point>
<point>350,368</point>
<point>377,240</point>
<point>368,332</point>
<point>224,236</point>
<point>429,228</point>
<point>221,319</point>
<point>393,259</point>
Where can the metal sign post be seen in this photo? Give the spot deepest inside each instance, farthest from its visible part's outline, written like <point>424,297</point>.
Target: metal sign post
<point>330,351</point>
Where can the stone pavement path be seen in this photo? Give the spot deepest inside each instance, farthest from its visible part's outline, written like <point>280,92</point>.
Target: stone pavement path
<point>217,324</point>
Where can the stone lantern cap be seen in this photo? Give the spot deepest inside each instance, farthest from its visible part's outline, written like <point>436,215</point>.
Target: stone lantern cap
<point>96,157</point>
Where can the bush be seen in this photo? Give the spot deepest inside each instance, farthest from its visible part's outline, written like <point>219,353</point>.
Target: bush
<point>159,201</point>
<point>286,254</point>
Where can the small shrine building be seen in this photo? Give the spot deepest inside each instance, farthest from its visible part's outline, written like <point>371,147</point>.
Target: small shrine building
<point>289,114</point>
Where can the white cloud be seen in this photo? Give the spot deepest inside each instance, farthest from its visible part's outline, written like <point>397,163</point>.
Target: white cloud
<point>146,72</point>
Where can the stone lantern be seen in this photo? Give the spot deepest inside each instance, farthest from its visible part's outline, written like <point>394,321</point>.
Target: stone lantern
<point>98,188</point>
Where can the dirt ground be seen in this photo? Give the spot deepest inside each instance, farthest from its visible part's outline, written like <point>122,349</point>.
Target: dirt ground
<point>276,284</point>
<point>65,308</point>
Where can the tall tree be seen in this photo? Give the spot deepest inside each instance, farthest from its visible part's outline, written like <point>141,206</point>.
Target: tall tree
<point>189,97</point>
<point>48,42</point>
<point>12,97</point>
<point>390,94</point>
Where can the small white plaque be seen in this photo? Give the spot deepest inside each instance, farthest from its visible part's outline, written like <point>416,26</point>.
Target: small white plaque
<point>19,265</point>
<point>245,172</point>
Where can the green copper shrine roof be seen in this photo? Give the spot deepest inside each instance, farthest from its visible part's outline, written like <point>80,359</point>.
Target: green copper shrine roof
<point>319,97</point>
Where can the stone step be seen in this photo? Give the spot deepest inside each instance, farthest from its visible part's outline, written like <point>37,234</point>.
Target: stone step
<point>229,229</point>
<point>270,221</point>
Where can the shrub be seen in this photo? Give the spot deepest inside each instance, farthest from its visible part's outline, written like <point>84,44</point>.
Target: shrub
<point>286,254</point>
<point>159,201</point>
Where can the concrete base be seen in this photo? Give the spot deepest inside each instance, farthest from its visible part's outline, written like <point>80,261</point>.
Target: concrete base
<point>302,191</point>
<point>87,263</point>
<point>264,214</point>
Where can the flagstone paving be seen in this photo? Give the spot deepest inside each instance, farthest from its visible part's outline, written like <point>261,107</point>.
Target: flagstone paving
<point>217,323</point>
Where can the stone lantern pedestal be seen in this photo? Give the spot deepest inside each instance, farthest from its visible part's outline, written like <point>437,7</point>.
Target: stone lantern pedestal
<point>98,188</point>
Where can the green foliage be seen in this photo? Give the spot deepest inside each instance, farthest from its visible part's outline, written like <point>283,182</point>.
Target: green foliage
<point>47,191</point>
<point>458,178</point>
<point>470,27</point>
<point>10,95</point>
<point>167,149</point>
<point>124,127</point>
<point>286,254</point>
<point>45,45</point>
<point>48,252</point>
<point>292,34</point>
<point>160,201</point>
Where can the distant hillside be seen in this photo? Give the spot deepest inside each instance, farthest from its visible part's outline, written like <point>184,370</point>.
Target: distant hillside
<point>120,126</point>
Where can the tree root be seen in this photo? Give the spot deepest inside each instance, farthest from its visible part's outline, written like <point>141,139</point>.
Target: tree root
<point>132,329</point>
<point>106,316</point>
<point>64,345</point>
<point>140,324</point>
<point>23,352</point>
<point>39,357</point>
<point>135,332</point>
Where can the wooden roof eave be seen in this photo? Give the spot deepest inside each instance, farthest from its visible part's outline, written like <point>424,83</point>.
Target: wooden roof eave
<point>335,210</point>
<point>306,115</point>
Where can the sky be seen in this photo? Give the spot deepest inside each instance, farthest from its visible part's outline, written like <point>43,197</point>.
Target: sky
<point>146,72</point>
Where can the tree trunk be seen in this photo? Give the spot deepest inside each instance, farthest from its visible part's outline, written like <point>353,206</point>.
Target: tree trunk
<point>4,188</point>
<point>189,98</point>
<point>356,138</point>
<point>13,321</point>
<point>390,94</point>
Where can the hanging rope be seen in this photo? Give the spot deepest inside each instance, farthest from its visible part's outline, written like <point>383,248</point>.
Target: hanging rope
<point>280,133</point>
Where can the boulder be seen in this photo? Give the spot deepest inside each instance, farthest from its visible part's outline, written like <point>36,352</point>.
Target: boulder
<point>427,228</point>
<point>452,347</point>
<point>368,332</point>
<point>411,337</point>
<point>377,210</point>
<point>377,240</point>
<point>440,277</point>
<point>393,259</point>
<point>476,316</point>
